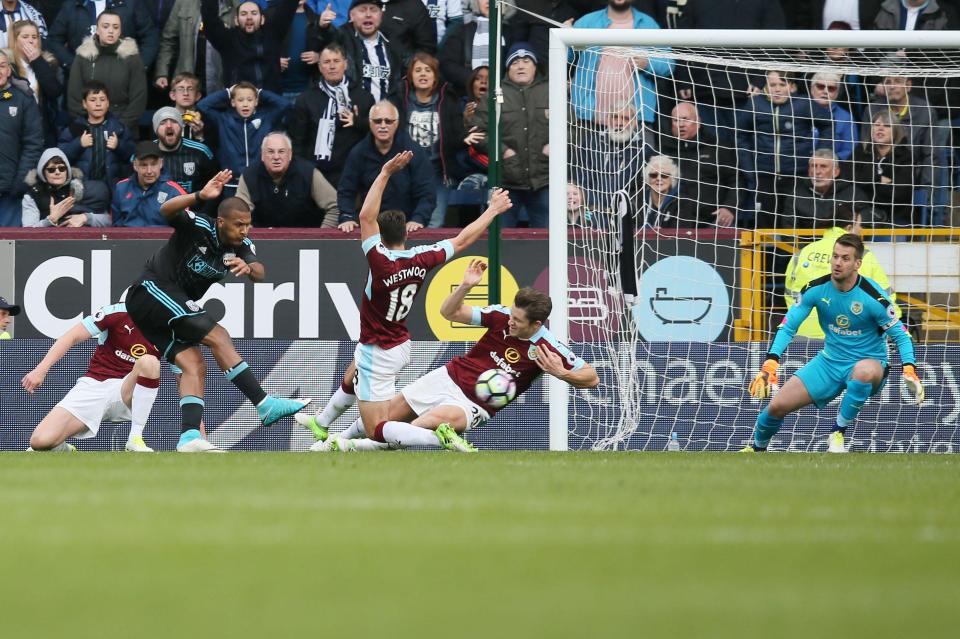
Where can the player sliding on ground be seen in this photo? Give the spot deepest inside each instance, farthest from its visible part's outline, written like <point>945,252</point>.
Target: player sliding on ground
<point>200,252</point>
<point>120,384</point>
<point>437,408</point>
<point>855,315</point>
<point>396,276</point>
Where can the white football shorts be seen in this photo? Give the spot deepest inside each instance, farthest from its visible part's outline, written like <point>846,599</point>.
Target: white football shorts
<point>437,388</point>
<point>93,401</point>
<point>377,370</point>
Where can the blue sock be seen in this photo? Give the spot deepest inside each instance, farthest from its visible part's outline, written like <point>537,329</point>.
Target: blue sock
<point>853,400</point>
<point>765,429</point>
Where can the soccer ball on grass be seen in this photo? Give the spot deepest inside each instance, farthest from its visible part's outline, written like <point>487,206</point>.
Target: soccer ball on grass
<point>495,388</point>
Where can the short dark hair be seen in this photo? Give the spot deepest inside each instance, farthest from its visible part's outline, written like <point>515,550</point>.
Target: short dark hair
<point>535,304</point>
<point>94,86</point>
<point>853,241</point>
<point>333,47</point>
<point>110,12</point>
<point>232,205</point>
<point>393,226</point>
<point>236,12</point>
<point>472,78</point>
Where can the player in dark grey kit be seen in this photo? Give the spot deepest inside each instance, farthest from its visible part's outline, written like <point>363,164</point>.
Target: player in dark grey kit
<point>200,252</point>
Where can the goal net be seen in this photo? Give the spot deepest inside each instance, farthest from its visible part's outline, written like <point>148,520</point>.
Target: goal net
<point>707,175</point>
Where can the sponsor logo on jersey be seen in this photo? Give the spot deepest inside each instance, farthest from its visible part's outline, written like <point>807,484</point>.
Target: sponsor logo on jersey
<point>138,350</point>
<point>512,355</point>
<point>842,321</point>
<point>856,308</point>
<point>844,331</point>
<point>124,356</point>
<point>503,364</point>
<point>201,268</point>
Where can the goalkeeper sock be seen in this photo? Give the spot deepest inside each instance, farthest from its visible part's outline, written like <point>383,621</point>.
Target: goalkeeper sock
<point>336,407</point>
<point>191,410</point>
<point>242,377</point>
<point>853,400</point>
<point>356,430</point>
<point>403,435</point>
<point>765,429</point>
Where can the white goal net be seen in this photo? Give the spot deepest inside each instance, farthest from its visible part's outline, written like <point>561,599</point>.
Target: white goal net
<point>702,183</point>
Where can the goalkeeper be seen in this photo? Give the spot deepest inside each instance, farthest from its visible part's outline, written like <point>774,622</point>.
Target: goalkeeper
<point>855,315</point>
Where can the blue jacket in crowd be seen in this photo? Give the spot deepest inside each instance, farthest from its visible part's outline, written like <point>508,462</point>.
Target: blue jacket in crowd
<point>239,137</point>
<point>117,164</point>
<point>411,190</point>
<point>135,206</point>
<point>844,133</point>
<point>778,139</point>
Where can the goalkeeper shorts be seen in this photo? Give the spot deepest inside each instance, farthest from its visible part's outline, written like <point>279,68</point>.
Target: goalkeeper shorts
<point>825,380</point>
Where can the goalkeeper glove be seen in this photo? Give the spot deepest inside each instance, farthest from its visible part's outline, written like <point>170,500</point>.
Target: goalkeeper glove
<point>765,380</point>
<point>913,382</point>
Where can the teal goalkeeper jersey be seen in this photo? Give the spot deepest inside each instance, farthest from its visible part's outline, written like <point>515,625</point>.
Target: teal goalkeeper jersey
<point>854,323</point>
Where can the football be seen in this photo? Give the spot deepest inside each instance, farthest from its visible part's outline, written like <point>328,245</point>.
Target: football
<point>495,388</point>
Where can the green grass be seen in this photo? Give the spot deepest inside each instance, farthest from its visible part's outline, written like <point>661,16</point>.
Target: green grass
<point>488,546</point>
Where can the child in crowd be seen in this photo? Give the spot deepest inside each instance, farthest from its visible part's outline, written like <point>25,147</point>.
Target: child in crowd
<point>97,143</point>
<point>242,116</point>
<point>185,93</point>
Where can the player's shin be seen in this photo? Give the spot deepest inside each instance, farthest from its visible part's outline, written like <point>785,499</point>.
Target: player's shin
<point>853,400</point>
<point>191,409</point>
<point>341,401</point>
<point>356,431</point>
<point>765,429</point>
<point>242,377</point>
<point>403,435</point>
<point>144,394</point>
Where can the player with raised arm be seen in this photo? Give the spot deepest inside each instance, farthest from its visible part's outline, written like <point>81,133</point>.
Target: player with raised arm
<point>856,316</point>
<point>200,252</point>
<point>434,410</point>
<point>120,383</point>
<point>395,278</point>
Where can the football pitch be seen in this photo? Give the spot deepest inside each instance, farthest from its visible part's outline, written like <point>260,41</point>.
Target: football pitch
<point>489,545</point>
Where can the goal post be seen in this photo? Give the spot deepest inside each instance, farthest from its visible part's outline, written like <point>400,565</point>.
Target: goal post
<point>626,395</point>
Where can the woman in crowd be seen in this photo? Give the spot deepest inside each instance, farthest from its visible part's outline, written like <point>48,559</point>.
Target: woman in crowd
<point>57,195</point>
<point>883,169</point>
<point>434,120</point>
<point>40,69</point>
<point>660,202</point>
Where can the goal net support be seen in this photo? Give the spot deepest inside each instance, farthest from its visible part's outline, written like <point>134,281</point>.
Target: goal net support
<point>695,167</point>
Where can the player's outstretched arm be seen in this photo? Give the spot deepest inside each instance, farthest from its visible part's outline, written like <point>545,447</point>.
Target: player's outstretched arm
<point>32,380</point>
<point>584,377</point>
<point>453,308</point>
<point>499,203</point>
<point>371,203</point>
<point>210,191</point>
<point>893,327</point>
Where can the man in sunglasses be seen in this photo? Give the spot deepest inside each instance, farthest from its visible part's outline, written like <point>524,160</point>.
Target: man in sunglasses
<point>410,190</point>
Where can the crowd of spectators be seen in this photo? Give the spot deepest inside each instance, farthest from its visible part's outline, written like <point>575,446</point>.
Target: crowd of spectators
<point>109,107</point>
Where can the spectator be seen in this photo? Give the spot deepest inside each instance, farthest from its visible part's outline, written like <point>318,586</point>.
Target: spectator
<point>184,47</point>
<point>824,88</point>
<point>478,83</point>
<point>578,215</point>
<point>524,27</point>
<point>188,163</point>
<point>915,116</point>
<point>408,25</point>
<point>410,190</point>
<point>252,50</point>
<point>853,92</point>
<point>816,197</point>
<point>470,161</point>
<point>59,196</point>
<point>242,116</point>
<point>445,15</point>
<point>660,203</point>
<point>21,132</point>
<point>7,310</point>
<point>820,14</point>
<point>113,60</point>
<point>610,158</point>
<point>775,139</point>
<point>524,138</point>
<point>708,183</point>
<point>185,93</point>
<point>77,18</point>
<point>137,199</point>
<point>434,120</point>
<point>883,169</point>
<point>912,15</point>
<point>467,47</point>
<point>601,80</point>
<point>39,68</point>
<point>330,118</point>
<point>14,11</point>
<point>97,143</point>
<point>813,261</point>
<point>296,65</point>
<point>373,62</point>
<point>284,191</point>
